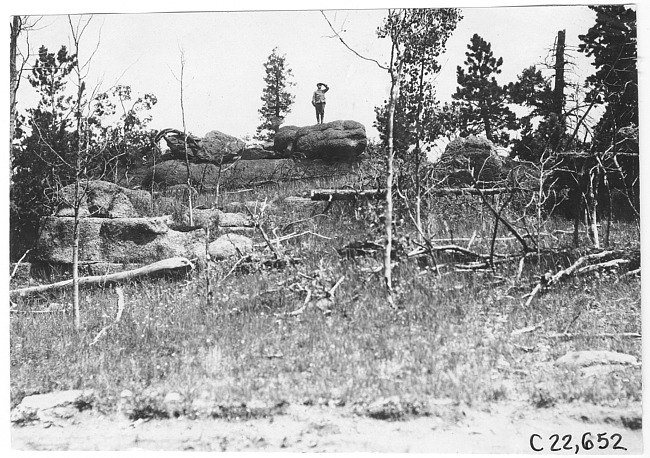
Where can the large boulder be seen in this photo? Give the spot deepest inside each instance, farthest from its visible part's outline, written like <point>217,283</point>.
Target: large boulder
<point>51,407</point>
<point>103,199</point>
<point>283,139</point>
<point>174,172</point>
<point>332,141</point>
<point>230,245</point>
<point>123,240</point>
<point>215,219</point>
<point>469,158</point>
<point>215,148</point>
<point>218,144</point>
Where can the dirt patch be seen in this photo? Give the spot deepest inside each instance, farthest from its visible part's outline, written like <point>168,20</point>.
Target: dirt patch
<point>501,429</point>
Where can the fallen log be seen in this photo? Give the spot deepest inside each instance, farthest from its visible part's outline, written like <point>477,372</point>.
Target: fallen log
<point>346,194</point>
<point>165,266</point>
<point>352,194</point>
<point>578,268</point>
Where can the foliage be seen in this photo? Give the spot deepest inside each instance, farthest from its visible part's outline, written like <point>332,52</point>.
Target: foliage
<point>534,91</point>
<point>114,135</point>
<point>41,161</point>
<point>122,119</point>
<point>425,34</point>
<point>483,102</point>
<point>612,43</point>
<point>276,98</point>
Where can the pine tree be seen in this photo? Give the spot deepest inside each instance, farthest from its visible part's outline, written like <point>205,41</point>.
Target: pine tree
<point>41,162</point>
<point>483,107</point>
<point>612,43</point>
<point>534,91</point>
<point>276,98</point>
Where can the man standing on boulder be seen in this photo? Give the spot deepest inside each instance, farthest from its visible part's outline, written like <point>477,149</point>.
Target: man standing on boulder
<point>318,101</point>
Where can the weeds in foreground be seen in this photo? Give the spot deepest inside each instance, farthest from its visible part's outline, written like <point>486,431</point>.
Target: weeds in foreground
<point>451,337</point>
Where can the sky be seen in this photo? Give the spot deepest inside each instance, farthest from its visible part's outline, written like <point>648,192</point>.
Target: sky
<point>224,53</point>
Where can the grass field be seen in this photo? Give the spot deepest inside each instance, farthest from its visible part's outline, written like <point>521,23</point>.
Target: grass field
<point>244,353</point>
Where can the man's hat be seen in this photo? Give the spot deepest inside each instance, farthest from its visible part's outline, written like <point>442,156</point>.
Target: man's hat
<point>321,84</point>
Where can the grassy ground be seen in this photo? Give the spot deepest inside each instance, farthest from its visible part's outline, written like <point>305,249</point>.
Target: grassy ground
<point>450,337</point>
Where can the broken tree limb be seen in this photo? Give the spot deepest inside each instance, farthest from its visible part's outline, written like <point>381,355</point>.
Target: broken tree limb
<point>118,315</point>
<point>577,268</point>
<point>576,265</point>
<point>532,328</point>
<point>346,194</point>
<point>611,335</point>
<point>459,249</point>
<point>603,265</point>
<point>352,194</point>
<point>497,215</point>
<point>161,267</point>
<point>13,273</point>
<point>631,273</point>
<point>258,225</point>
<point>292,236</point>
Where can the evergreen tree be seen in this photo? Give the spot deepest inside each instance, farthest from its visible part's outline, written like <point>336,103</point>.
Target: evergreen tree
<point>276,98</point>
<point>534,91</point>
<point>612,43</point>
<point>41,162</point>
<point>483,101</point>
<point>44,154</point>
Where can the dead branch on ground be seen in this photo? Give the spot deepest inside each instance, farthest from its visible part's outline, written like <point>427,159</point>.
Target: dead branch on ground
<point>165,266</point>
<point>13,273</point>
<point>581,266</point>
<point>258,225</point>
<point>352,194</point>
<point>294,235</point>
<point>118,315</point>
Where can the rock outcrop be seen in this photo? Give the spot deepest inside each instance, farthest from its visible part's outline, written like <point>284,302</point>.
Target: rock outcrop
<point>113,228</point>
<point>52,407</point>
<point>116,240</point>
<point>477,154</point>
<point>217,144</point>
<point>104,200</point>
<point>295,153</point>
<point>230,245</point>
<point>215,148</point>
<point>283,139</point>
<point>332,141</point>
<point>242,173</point>
<point>217,220</point>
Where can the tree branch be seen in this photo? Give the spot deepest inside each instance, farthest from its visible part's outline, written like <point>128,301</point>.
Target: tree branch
<point>383,67</point>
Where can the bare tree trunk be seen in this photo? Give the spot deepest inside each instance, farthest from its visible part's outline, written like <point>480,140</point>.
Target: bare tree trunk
<point>388,214</point>
<point>576,222</point>
<point>592,206</point>
<point>558,91</point>
<point>187,159</point>
<point>13,76</point>
<point>418,130</point>
<point>76,313</point>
